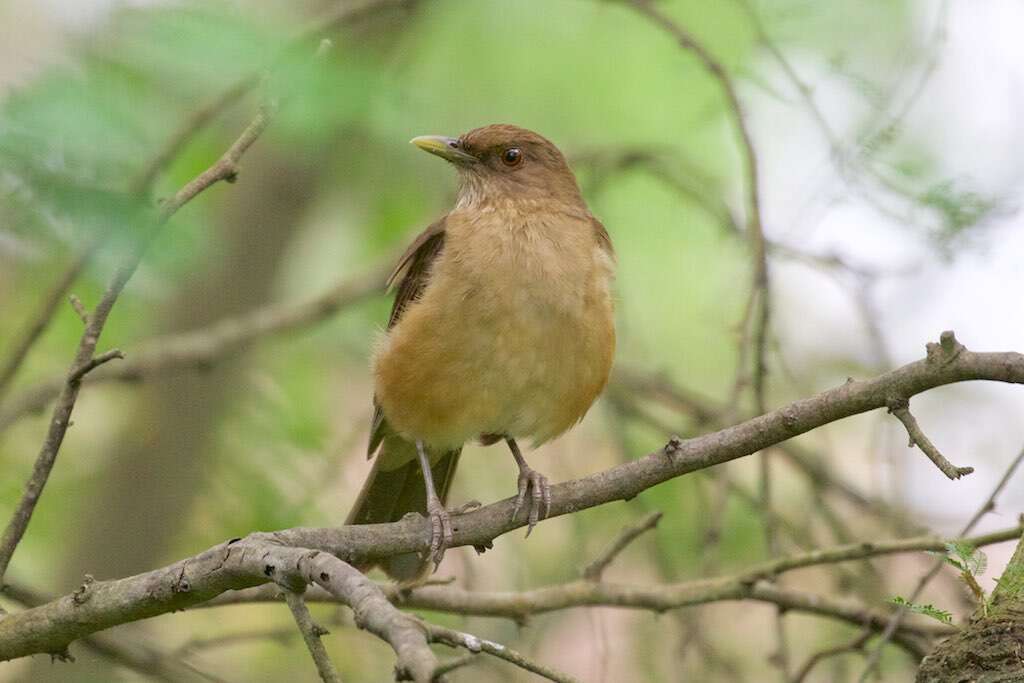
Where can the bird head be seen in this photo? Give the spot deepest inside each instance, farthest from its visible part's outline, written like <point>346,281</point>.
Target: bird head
<point>504,162</point>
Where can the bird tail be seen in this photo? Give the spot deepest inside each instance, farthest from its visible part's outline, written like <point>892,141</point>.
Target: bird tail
<point>395,488</point>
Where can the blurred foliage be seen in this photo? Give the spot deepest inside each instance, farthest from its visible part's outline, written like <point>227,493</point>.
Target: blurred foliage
<point>927,610</point>
<point>288,449</point>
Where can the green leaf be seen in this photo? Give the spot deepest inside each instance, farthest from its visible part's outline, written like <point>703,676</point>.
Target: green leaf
<point>927,610</point>
<point>971,559</point>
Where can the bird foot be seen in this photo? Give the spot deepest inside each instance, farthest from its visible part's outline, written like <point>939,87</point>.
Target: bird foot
<point>440,530</point>
<point>536,484</point>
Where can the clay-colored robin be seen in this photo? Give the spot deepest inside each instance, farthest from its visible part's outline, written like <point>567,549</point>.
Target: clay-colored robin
<point>502,329</point>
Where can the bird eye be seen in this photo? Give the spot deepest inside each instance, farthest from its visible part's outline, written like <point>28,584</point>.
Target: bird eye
<point>512,156</point>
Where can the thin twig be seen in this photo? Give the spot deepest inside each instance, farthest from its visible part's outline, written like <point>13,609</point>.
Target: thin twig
<point>594,570</point>
<point>855,645</point>
<point>915,637</point>
<point>900,409</point>
<point>195,645</point>
<point>452,664</point>
<point>78,373</point>
<point>201,349</point>
<point>190,127</point>
<point>226,168</point>
<point>235,92</point>
<point>452,638</point>
<point>984,509</point>
<point>865,549</point>
<point>759,291</point>
<point>311,633</point>
<point>758,308</point>
<point>41,320</point>
<point>79,308</point>
<point>141,184</point>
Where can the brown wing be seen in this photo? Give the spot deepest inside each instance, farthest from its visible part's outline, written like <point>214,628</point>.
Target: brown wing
<point>602,236</point>
<point>415,264</point>
<point>414,270</point>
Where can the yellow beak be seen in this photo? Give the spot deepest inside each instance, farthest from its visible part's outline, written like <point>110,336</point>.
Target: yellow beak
<point>449,149</point>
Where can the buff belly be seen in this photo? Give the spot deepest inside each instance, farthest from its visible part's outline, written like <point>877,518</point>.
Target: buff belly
<point>496,351</point>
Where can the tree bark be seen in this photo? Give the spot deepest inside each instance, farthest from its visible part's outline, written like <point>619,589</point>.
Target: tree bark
<point>991,648</point>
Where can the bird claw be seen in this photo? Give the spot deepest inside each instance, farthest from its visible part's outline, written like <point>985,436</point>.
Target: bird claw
<point>537,485</point>
<point>440,531</point>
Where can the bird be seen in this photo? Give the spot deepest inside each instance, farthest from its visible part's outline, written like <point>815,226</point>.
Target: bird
<point>502,329</point>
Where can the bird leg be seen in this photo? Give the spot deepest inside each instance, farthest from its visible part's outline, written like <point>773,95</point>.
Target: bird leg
<point>440,522</point>
<point>532,481</point>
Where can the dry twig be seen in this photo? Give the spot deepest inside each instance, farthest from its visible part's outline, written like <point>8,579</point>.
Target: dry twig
<point>452,638</point>
<point>900,409</point>
<point>594,570</point>
<point>901,613</point>
<point>225,168</point>
<point>311,633</point>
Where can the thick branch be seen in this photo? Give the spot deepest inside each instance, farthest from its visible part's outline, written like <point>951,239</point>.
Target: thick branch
<point>709,414</point>
<point>678,457</point>
<point>49,627</point>
<point>233,565</point>
<point>745,585</point>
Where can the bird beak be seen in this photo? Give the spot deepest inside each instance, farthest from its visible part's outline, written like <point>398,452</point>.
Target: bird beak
<point>448,149</point>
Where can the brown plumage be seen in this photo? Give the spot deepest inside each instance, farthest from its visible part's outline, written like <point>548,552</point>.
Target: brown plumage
<point>502,328</point>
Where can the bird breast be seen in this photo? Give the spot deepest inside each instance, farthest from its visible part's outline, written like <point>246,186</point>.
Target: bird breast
<point>514,334</point>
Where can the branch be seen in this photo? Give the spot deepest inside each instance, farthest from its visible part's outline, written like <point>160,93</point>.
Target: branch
<point>984,509</point>
<point>117,602</point>
<point>453,664</point>
<point>440,634</point>
<point>756,320</point>
<point>41,319</point>
<point>900,409</point>
<point>200,349</point>
<point>912,637</point>
<point>862,550</point>
<point>855,645</point>
<point>709,414</point>
<point>759,304</point>
<point>224,169</point>
<point>233,565</point>
<point>594,570</point>
<point>51,627</point>
<point>78,373</point>
<point>678,457</point>
<point>311,633</point>
<point>138,657</point>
